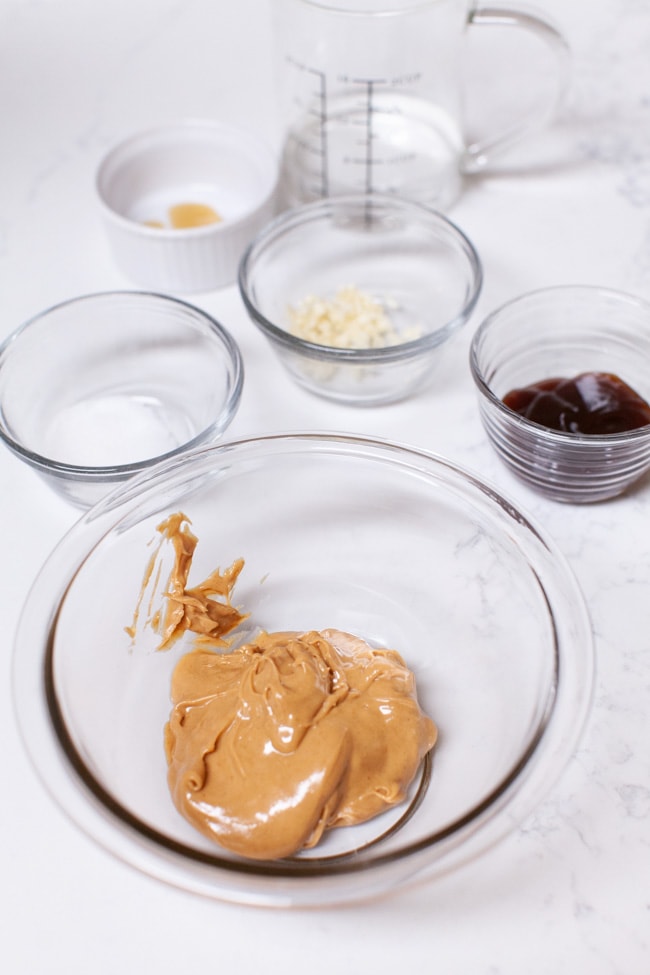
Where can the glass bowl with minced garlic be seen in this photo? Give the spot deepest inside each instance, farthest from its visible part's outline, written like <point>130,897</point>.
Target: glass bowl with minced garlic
<point>359,295</point>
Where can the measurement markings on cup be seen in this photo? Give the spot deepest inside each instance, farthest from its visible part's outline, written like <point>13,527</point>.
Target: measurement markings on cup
<point>319,94</point>
<point>348,131</point>
<point>366,87</point>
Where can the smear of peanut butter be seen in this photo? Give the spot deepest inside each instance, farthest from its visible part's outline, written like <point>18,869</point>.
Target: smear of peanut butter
<point>289,735</point>
<point>206,609</point>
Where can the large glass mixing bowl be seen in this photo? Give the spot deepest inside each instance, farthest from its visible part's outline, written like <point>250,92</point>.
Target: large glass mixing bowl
<point>393,544</point>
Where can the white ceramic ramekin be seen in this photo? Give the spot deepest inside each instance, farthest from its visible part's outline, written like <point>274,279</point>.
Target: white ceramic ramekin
<point>193,161</point>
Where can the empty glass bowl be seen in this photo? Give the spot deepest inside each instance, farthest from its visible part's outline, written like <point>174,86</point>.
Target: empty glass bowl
<point>562,332</point>
<point>417,269</point>
<point>393,545</point>
<point>102,386</point>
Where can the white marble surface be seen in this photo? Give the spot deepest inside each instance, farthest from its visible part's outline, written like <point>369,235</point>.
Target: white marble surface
<point>569,891</point>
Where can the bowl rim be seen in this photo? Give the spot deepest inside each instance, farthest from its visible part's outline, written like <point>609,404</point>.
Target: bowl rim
<point>112,472</point>
<point>211,130</point>
<point>559,438</point>
<point>314,212</point>
<point>468,836</point>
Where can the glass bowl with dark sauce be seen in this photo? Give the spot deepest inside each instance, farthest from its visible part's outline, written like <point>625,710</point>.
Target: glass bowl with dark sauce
<point>563,382</point>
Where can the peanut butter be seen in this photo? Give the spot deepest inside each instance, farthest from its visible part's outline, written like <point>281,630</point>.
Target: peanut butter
<point>272,743</point>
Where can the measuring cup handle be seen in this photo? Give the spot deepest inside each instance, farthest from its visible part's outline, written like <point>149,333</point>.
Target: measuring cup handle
<point>478,154</point>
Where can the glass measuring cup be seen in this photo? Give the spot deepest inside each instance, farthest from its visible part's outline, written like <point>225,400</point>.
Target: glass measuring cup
<point>372,95</point>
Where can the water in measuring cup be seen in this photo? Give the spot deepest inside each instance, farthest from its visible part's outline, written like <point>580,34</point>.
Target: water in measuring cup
<point>373,141</point>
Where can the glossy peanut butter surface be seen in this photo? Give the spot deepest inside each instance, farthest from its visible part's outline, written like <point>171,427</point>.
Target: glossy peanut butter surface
<point>273,742</point>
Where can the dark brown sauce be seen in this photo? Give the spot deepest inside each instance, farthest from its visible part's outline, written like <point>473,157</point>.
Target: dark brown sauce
<point>591,403</point>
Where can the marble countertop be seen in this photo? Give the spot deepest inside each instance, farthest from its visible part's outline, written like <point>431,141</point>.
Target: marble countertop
<point>569,889</point>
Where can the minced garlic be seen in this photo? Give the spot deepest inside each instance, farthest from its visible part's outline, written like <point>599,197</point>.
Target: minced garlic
<point>352,319</point>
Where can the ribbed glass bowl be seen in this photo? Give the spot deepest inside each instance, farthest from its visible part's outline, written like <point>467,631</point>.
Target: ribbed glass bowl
<point>415,262</point>
<point>394,545</point>
<point>564,331</point>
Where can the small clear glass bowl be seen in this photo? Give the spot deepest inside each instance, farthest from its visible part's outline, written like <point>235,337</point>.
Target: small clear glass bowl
<point>418,265</point>
<point>561,332</point>
<point>394,545</point>
<point>100,387</point>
